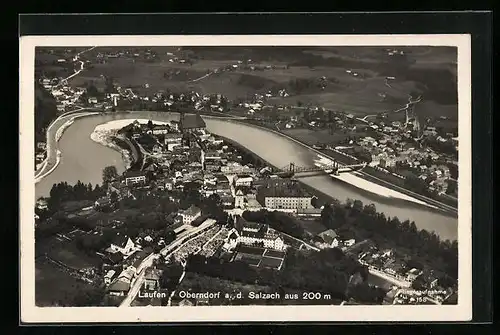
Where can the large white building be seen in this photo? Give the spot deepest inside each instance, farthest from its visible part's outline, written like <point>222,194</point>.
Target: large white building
<point>288,202</point>
<point>252,233</point>
<point>284,195</point>
<point>134,177</point>
<point>243,181</point>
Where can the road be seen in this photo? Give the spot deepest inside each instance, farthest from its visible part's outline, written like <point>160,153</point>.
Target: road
<point>202,77</point>
<point>182,239</point>
<point>76,59</point>
<point>49,160</point>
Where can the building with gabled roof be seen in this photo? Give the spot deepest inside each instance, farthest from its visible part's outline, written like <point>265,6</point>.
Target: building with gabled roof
<point>190,214</point>
<point>191,122</point>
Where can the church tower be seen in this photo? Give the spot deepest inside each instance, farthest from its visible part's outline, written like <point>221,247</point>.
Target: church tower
<point>239,199</point>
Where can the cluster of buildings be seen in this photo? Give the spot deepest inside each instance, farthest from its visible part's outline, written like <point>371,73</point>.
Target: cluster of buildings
<point>330,239</point>
<point>253,234</point>
<point>395,153</point>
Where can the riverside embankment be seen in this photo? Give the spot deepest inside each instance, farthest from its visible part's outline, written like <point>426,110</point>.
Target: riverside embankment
<point>84,159</point>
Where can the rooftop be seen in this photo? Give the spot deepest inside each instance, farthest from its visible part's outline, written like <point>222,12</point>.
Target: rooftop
<point>133,174</point>
<point>192,121</point>
<point>120,240</point>
<point>192,210</point>
<point>283,191</point>
<point>119,286</point>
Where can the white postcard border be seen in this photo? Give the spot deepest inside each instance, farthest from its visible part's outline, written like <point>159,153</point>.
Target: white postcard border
<point>30,313</point>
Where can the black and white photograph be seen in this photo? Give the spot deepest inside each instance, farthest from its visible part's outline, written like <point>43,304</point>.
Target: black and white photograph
<point>247,175</point>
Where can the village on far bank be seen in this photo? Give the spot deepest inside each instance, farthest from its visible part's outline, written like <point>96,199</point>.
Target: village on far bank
<point>194,212</point>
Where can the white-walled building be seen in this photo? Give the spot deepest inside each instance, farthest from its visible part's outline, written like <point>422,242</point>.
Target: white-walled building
<point>251,233</point>
<point>190,214</point>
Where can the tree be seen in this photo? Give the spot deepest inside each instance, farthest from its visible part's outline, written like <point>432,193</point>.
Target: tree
<point>113,197</point>
<point>109,173</point>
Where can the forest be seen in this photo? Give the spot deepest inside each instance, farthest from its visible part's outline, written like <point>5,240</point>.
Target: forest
<point>369,224</point>
<point>327,271</point>
<point>45,111</point>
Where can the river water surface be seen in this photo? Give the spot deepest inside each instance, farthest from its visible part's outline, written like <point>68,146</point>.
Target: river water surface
<point>83,159</point>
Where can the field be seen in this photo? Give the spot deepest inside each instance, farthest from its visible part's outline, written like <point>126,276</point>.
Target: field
<point>355,76</point>
<point>62,248</point>
<point>54,287</point>
<point>312,137</point>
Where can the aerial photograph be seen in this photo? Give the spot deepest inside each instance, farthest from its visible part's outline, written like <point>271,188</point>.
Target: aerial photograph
<point>245,175</point>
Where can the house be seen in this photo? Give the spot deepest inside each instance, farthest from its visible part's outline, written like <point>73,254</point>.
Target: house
<point>309,212</point>
<point>174,125</point>
<point>284,196</point>
<point>243,181</point>
<point>172,140</point>
<point>152,279</point>
<point>251,233</point>
<point>329,237</point>
<point>122,244</point>
<point>134,177</point>
<point>412,274</point>
<point>119,287</point>
<point>102,202</point>
<point>349,242</point>
<point>191,123</point>
<point>169,184</point>
<point>108,277</point>
<point>160,129</point>
<point>227,201</point>
<point>113,258</point>
<point>239,199</point>
<point>190,214</point>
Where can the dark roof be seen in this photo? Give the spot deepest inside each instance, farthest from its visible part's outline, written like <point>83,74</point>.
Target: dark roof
<point>114,258</point>
<point>222,179</point>
<point>328,235</point>
<point>241,224</point>
<point>284,191</point>
<point>191,121</point>
<point>192,210</point>
<point>120,240</point>
<point>199,220</point>
<point>119,286</point>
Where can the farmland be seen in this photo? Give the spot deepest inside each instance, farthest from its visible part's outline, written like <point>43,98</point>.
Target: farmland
<point>349,79</point>
<point>54,287</point>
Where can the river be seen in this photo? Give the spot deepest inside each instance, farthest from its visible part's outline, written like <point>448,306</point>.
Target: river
<point>83,159</point>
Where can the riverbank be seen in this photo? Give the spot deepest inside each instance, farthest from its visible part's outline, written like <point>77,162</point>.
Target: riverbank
<point>360,179</point>
<point>57,136</point>
<point>107,135</point>
<point>368,178</point>
<point>108,139</point>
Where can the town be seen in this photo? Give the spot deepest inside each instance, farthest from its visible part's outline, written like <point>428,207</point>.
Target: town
<point>196,212</point>
<point>400,147</point>
<point>199,196</point>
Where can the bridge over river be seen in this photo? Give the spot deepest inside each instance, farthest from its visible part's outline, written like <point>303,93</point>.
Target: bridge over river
<point>335,168</point>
